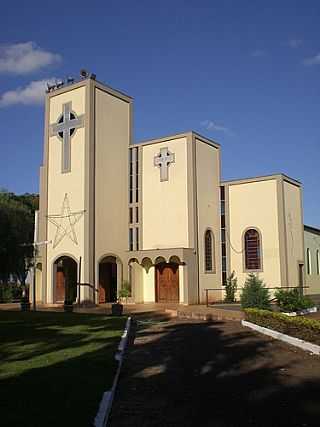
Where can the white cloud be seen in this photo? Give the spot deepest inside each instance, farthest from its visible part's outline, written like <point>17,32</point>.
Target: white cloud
<point>32,94</point>
<point>313,60</point>
<point>210,125</point>
<point>23,58</point>
<point>294,43</point>
<point>258,53</point>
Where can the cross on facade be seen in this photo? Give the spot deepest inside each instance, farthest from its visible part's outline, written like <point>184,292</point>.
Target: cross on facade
<point>163,160</point>
<point>65,127</point>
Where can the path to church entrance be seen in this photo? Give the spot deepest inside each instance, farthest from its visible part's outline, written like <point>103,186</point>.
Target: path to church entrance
<point>191,373</point>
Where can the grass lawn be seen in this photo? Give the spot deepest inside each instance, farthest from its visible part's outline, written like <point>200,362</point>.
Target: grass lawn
<point>55,366</point>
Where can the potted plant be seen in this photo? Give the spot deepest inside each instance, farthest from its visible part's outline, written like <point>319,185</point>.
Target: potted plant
<point>117,308</point>
<point>125,291</point>
<point>68,305</point>
<point>24,301</point>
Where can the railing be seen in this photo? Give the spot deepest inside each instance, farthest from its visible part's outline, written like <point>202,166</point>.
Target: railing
<point>224,289</point>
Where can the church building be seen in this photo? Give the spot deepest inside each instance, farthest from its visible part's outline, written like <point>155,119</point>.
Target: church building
<point>154,216</point>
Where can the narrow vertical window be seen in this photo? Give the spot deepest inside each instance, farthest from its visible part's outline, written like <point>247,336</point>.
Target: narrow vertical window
<point>137,174</point>
<point>308,262</point>
<point>208,250</point>
<point>130,239</point>
<point>318,262</point>
<point>137,239</point>
<point>223,235</point>
<point>130,176</point>
<point>130,215</point>
<point>137,214</point>
<point>252,249</point>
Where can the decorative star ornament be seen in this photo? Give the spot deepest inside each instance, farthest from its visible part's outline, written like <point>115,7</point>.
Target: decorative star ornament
<point>65,222</point>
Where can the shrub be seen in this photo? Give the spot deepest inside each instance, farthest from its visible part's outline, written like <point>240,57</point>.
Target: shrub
<point>231,288</point>
<point>6,293</point>
<point>298,327</point>
<point>292,300</point>
<point>10,292</point>
<point>254,293</point>
<point>125,290</point>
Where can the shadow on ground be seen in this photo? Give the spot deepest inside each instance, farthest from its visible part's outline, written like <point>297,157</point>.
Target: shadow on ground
<point>55,367</point>
<point>215,374</point>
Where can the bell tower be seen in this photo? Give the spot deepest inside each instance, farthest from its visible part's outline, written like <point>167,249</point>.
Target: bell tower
<point>83,187</point>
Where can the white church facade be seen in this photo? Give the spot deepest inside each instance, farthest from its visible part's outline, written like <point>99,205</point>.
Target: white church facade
<point>154,214</point>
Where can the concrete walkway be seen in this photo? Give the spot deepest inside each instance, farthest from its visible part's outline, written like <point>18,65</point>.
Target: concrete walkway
<point>191,373</point>
<point>218,311</point>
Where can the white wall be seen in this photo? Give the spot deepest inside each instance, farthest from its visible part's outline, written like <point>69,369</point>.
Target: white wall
<point>112,133</point>
<point>149,285</point>
<point>312,241</point>
<point>255,204</point>
<point>165,204</point>
<point>294,231</point>
<point>208,206</point>
<point>71,183</point>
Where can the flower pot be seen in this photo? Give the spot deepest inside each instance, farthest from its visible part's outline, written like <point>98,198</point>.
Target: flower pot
<point>117,309</point>
<point>25,305</point>
<point>68,308</point>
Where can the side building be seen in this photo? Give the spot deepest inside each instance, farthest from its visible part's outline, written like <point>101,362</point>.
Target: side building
<point>312,261</point>
<point>262,232</point>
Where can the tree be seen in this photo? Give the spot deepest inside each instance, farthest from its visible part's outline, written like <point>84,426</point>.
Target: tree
<point>254,293</point>
<point>16,234</point>
<point>231,288</point>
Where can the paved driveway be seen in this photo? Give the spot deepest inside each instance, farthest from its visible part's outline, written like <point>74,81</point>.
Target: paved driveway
<point>189,373</point>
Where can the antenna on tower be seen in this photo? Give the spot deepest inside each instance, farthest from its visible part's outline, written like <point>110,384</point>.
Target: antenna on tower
<point>84,73</point>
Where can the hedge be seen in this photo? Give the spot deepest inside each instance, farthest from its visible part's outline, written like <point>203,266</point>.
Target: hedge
<point>298,327</point>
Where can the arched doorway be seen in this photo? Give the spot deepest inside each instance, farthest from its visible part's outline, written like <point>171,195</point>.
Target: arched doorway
<point>65,283</point>
<point>108,279</point>
<point>167,282</point>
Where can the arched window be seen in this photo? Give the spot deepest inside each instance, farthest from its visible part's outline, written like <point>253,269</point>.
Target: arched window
<point>252,249</point>
<point>308,262</point>
<point>209,251</point>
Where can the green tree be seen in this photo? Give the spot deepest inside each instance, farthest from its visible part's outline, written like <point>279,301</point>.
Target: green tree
<point>231,288</point>
<point>16,234</point>
<point>254,293</point>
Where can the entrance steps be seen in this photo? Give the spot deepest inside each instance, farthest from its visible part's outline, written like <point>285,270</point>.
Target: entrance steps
<point>198,312</point>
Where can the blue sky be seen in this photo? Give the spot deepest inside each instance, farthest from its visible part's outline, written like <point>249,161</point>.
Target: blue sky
<point>243,73</point>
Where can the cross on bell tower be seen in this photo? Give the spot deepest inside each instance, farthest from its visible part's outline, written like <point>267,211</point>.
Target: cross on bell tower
<point>65,127</point>
<point>163,160</point>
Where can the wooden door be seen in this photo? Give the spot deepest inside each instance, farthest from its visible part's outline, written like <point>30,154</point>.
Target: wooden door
<point>107,282</point>
<point>103,283</point>
<point>167,279</point>
<point>60,285</point>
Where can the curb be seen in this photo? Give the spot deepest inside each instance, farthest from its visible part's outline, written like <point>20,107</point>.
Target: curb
<point>301,312</point>
<point>297,342</point>
<point>105,405</point>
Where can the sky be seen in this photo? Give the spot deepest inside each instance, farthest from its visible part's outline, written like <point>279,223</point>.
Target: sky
<point>243,73</point>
